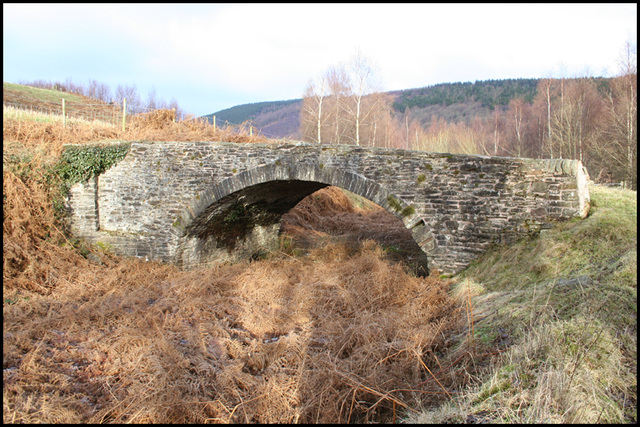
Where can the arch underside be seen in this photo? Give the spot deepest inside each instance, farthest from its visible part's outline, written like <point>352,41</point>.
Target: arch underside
<point>240,217</point>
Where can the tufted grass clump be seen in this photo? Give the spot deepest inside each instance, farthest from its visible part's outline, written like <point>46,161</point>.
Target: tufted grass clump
<point>560,372</point>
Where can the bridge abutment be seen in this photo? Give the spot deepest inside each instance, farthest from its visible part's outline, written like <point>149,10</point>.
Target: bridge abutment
<point>255,243</point>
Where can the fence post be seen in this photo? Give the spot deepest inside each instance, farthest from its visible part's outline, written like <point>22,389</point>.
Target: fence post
<point>174,115</point>
<point>214,123</point>
<point>64,116</point>
<point>124,113</point>
<point>250,130</point>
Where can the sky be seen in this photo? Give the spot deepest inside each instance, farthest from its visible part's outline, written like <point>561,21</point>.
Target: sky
<point>210,57</point>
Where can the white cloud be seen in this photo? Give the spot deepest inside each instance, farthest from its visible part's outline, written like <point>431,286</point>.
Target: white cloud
<point>269,51</point>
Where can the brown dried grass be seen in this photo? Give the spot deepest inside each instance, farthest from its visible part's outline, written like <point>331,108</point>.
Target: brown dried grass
<point>48,138</point>
<point>31,240</point>
<point>159,125</point>
<point>292,340</point>
<point>334,215</point>
<point>341,335</point>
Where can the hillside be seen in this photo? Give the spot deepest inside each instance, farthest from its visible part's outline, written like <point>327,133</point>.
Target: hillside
<point>454,102</point>
<point>49,101</point>
<point>460,102</point>
<point>277,119</point>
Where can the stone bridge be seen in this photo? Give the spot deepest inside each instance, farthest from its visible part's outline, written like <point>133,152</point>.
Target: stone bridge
<point>194,202</point>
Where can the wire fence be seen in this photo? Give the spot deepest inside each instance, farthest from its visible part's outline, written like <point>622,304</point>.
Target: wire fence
<point>64,110</point>
<point>98,114</point>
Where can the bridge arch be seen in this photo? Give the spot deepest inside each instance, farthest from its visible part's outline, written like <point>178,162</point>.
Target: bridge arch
<point>241,214</point>
<point>161,201</point>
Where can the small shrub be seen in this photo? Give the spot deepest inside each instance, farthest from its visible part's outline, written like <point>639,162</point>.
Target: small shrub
<point>394,203</point>
<point>409,210</point>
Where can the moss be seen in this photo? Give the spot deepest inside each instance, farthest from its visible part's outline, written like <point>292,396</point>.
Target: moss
<point>409,210</point>
<point>421,178</point>
<point>105,247</point>
<point>235,214</point>
<point>394,204</point>
<point>494,389</point>
<point>237,221</point>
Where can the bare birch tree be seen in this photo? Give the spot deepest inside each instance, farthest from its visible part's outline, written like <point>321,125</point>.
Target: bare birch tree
<point>344,105</point>
<point>339,89</point>
<point>620,146</point>
<point>575,123</point>
<point>515,115</point>
<point>548,93</point>
<point>361,73</point>
<point>152,99</point>
<point>130,93</point>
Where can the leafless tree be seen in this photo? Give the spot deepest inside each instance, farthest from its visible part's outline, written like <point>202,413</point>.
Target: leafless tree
<point>339,91</point>
<point>344,105</point>
<point>575,120</point>
<point>130,93</point>
<point>621,143</point>
<point>516,107</point>
<point>361,83</point>
<point>152,102</point>
<point>312,116</point>
<point>99,91</point>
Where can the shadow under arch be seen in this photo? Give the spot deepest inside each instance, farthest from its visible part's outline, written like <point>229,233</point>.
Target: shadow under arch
<point>239,216</point>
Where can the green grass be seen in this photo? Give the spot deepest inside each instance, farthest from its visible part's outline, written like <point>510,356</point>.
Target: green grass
<point>572,248</point>
<point>360,202</point>
<point>562,308</point>
<point>46,95</point>
<point>27,103</point>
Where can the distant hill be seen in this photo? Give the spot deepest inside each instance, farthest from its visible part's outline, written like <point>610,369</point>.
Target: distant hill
<point>275,119</point>
<point>460,102</point>
<point>454,102</point>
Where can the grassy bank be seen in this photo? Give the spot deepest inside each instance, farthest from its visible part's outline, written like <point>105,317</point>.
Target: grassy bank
<point>562,311</point>
<point>14,92</point>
